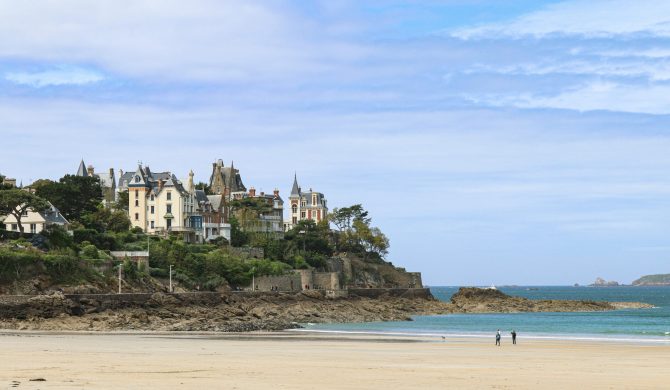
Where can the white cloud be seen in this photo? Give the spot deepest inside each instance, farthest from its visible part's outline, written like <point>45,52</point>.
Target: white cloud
<point>55,77</point>
<point>204,40</point>
<point>655,71</point>
<point>592,18</point>
<point>639,98</point>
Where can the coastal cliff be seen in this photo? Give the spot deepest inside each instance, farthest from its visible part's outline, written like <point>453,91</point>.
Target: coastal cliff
<point>653,280</point>
<point>230,312</point>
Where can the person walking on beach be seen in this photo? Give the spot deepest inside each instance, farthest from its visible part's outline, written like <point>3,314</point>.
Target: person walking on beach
<point>513,336</point>
<point>498,337</point>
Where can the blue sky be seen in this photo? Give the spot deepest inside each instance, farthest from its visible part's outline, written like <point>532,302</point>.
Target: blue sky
<point>519,142</point>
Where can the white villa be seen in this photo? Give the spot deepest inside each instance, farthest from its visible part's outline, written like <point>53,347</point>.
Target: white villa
<point>36,221</point>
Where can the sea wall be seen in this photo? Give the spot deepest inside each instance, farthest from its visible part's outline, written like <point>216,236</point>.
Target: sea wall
<point>392,292</point>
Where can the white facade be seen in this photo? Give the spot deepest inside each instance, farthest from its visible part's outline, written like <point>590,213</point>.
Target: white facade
<point>36,221</point>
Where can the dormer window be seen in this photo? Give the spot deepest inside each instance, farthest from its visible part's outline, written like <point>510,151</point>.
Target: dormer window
<point>137,178</point>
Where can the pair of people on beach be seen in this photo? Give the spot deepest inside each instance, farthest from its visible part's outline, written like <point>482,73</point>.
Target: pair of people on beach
<point>513,332</point>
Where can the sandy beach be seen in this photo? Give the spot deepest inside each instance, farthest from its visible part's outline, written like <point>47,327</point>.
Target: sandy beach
<point>289,360</point>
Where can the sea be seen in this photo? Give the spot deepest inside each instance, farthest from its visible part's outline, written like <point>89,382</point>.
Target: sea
<point>640,325</point>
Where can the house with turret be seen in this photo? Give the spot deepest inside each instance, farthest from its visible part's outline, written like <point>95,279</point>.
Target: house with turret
<point>159,203</point>
<point>308,205</point>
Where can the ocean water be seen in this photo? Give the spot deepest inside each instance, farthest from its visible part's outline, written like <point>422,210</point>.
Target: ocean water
<point>644,325</point>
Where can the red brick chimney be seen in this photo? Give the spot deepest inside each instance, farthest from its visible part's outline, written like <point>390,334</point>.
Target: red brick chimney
<point>276,192</point>
<point>252,192</point>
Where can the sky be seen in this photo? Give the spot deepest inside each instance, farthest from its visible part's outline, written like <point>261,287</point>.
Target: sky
<point>518,142</point>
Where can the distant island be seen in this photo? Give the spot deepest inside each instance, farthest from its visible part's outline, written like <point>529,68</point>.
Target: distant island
<point>653,280</point>
<point>600,282</point>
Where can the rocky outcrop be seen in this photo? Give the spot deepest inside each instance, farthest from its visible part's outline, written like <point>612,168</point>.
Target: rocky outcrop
<point>478,300</point>
<point>653,280</point>
<point>234,312</point>
<point>600,282</point>
<point>211,312</point>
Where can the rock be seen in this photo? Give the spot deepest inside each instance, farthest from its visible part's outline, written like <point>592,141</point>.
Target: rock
<point>600,282</point>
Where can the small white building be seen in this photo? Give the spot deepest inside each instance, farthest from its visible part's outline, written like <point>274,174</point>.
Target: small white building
<point>36,221</point>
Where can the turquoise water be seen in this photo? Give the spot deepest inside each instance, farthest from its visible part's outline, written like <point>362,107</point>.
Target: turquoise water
<point>642,324</point>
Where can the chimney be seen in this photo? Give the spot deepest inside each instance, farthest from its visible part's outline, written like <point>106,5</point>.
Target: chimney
<point>161,183</point>
<point>111,173</point>
<point>252,192</point>
<point>276,192</point>
<point>262,194</point>
<point>90,170</point>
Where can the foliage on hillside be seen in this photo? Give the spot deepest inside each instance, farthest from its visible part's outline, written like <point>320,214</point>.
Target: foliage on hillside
<point>658,279</point>
<point>97,230</point>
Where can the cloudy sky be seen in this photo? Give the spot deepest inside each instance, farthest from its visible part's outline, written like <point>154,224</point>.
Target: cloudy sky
<point>517,142</point>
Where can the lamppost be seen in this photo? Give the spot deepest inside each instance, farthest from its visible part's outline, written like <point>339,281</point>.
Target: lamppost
<point>304,239</point>
<point>253,278</point>
<point>170,277</point>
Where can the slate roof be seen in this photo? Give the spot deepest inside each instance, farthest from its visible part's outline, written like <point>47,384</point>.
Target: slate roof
<point>53,215</point>
<point>296,189</point>
<point>201,196</point>
<point>106,180</point>
<point>82,169</point>
<point>216,201</point>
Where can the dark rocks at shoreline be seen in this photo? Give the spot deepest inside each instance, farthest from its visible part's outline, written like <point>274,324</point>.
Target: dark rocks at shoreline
<point>478,300</point>
<point>243,313</point>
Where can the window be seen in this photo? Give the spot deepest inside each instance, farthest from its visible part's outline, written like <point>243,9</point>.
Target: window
<point>168,208</point>
<point>15,227</point>
<point>152,224</point>
<point>24,213</point>
<point>152,211</point>
<point>169,223</point>
<point>137,216</point>
<point>137,203</point>
<point>137,179</point>
<point>294,208</point>
<point>302,215</point>
<point>303,204</point>
<point>33,228</point>
<point>137,194</point>
<point>169,195</point>
<point>152,197</point>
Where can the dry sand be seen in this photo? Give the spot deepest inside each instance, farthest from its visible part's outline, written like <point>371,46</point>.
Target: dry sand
<point>303,361</point>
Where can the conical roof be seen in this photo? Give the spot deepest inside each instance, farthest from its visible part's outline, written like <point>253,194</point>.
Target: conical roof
<point>296,189</point>
<point>82,169</point>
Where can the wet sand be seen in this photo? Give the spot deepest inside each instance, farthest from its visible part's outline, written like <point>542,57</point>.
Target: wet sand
<point>288,360</point>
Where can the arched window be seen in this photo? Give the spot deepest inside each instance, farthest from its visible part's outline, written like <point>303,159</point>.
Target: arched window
<point>137,179</point>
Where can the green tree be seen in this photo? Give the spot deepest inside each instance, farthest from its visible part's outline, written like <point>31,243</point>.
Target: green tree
<point>205,187</point>
<point>74,196</point>
<point>343,218</point>
<point>3,185</point>
<point>16,202</point>
<point>106,220</point>
<point>122,201</point>
<point>248,212</point>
